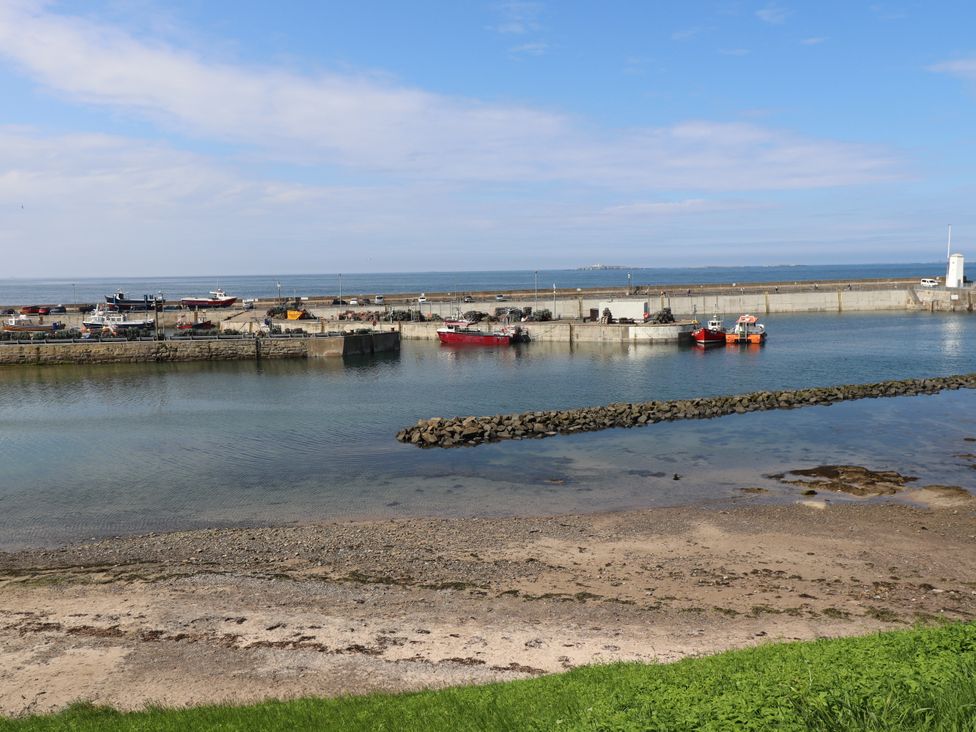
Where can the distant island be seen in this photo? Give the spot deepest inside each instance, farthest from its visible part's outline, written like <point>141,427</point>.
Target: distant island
<point>591,267</point>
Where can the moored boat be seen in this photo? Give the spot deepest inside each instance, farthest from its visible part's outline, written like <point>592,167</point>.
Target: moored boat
<point>26,324</point>
<point>217,299</point>
<point>460,332</point>
<point>711,334</point>
<point>747,329</point>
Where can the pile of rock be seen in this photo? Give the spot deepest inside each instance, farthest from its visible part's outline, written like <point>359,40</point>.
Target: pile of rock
<point>466,431</point>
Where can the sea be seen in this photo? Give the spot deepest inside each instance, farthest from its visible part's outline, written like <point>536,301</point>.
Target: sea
<point>104,450</point>
<point>80,290</point>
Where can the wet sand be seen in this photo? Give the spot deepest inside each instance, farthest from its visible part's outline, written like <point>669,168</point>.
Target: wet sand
<point>247,614</point>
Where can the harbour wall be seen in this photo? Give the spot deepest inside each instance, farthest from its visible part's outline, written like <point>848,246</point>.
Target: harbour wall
<point>223,349</point>
<point>572,332</point>
<point>697,303</point>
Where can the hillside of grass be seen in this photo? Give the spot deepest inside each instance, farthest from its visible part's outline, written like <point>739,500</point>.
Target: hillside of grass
<point>921,679</point>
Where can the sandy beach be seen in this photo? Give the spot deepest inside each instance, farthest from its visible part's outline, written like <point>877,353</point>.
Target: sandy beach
<point>246,614</point>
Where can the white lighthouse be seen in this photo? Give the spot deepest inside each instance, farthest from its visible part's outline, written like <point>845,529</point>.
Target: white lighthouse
<point>955,272</point>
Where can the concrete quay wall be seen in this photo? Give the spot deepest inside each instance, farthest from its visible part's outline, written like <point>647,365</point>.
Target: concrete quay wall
<point>700,302</point>
<point>195,350</point>
<point>566,332</point>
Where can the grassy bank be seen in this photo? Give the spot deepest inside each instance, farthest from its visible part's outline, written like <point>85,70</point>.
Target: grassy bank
<point>909,680</point>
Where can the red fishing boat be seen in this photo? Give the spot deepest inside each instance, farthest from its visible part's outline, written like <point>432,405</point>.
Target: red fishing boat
<point>460,332</point>
<point>710,335</point>
<point>218,299</point>
<point>187,325</point>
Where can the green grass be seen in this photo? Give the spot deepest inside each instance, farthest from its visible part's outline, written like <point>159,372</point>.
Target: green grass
<point>908,680</point>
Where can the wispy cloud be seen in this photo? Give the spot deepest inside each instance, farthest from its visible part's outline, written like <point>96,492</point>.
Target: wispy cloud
<point>814,41</point>
<point>538,48</point>
<point>686,34</point>
<point>964,68</point>
<point>734,51</point>
<point>518,18</point>
<point>774,14</point>
<point>372,125</point>
<point>653,208</point>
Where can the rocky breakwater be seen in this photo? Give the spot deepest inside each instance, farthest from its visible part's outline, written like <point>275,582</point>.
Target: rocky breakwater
<point>469,431</point>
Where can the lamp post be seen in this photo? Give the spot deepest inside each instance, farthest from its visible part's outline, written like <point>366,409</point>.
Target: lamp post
<point>340,289</point>
<point>628,283</point>
<point>278,285</point>
<point>535,301</point>
<point>553,300</point>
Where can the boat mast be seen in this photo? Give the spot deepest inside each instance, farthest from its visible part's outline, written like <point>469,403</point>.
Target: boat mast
<point>949,244</point>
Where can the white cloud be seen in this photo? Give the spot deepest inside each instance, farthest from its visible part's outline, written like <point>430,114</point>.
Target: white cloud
<point>375,127</point>
<point>653,208</point>
<point>964,68</point>
<point>537,48</point>
<point>519,18</point>
<point>773,14</point>
<point>687,34</point>
<point>814,41</point>
<point>734,51</point>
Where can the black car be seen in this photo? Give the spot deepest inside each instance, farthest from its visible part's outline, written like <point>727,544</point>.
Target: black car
<point>58,309</point>
<point>85,308</point>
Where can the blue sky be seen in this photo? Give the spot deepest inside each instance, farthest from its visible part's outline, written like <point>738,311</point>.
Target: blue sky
<point>143,138</point>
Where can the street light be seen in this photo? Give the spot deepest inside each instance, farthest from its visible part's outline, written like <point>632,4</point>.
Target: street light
<point>535,301</point>
<point>553,300</point>
<point>278,284</point>
<point>340,289</point>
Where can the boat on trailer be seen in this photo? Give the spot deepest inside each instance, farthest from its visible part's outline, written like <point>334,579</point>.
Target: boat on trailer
<point>217,299</point>
<point>747,329</point>
<point>26,324</point>
<point>99,319</point>
<point>119,301</point>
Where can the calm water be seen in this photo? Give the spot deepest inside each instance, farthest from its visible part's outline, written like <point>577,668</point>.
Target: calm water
<point>102,450</point>
<point>52,291</point>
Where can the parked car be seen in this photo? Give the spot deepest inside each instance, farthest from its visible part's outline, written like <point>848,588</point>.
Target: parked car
<point>468,298</point>
<point>928,282</point>
<point>501,298</point>
<point>30,310</point>
<point>337,301</point>
<point>85,308</point>
<point>58,309</point>
<point>422,299</point>
<point>379,300</point>
<point>9,311</point>
<point>353,301</point>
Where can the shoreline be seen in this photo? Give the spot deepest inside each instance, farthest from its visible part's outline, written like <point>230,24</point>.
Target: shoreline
<point>236,615</point>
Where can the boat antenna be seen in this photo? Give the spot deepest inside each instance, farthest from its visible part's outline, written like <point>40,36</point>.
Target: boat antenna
<point>949,244</point>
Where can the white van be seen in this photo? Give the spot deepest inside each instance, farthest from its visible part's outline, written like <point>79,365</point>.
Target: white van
<point>928,282</point>
<point>378,300</point>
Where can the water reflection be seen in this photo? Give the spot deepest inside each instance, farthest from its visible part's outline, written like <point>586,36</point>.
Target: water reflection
<point>132,447</point>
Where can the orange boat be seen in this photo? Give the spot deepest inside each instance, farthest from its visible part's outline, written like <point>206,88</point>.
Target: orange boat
<point>747,329</point>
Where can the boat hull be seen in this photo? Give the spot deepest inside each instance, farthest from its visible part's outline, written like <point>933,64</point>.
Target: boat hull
<point>204,302</point>
<point>708,337</point>
<point>33,328</point>
<point>473,338</point>
<point>745,338</point>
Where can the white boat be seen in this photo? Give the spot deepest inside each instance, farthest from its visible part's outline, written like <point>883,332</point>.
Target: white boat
<point>99,319</point>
